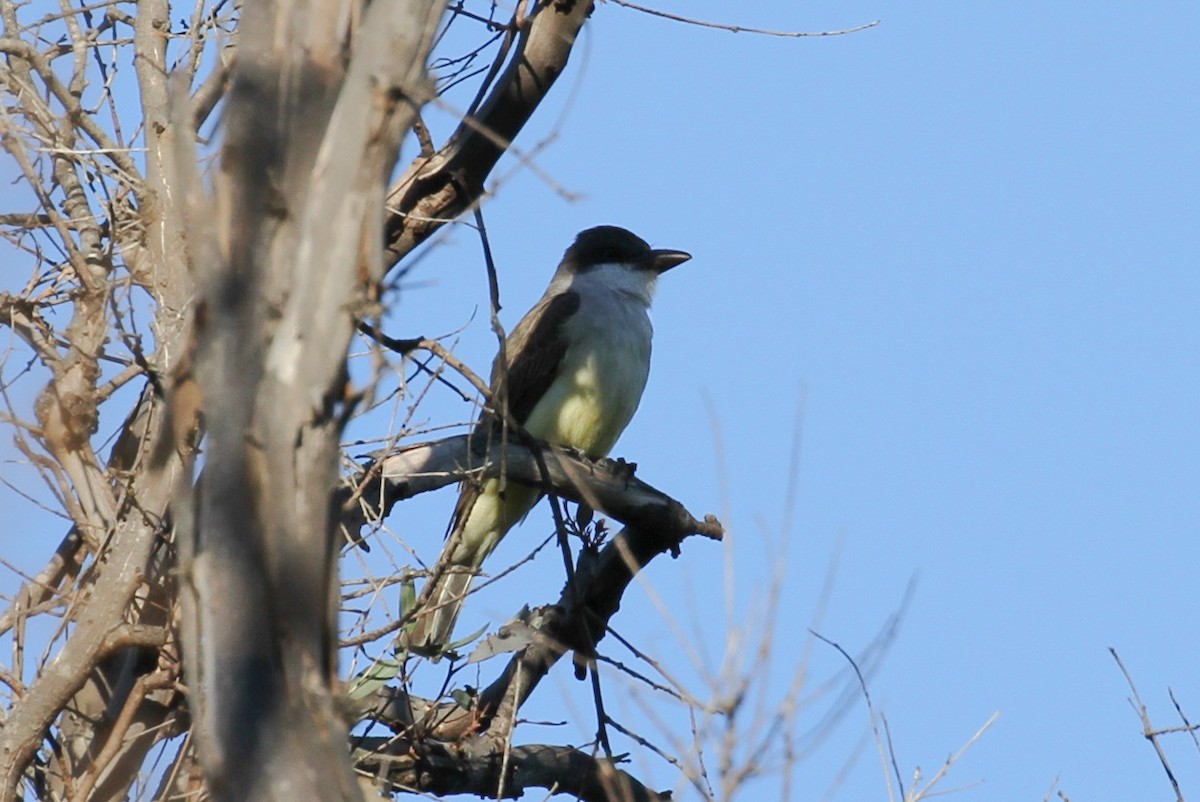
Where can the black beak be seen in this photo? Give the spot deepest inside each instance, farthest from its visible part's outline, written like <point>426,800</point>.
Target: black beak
<point>664,259</point>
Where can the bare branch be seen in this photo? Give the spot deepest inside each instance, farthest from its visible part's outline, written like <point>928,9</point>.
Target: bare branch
<point>31,715</point>
<point>466,769</point>
<point>437,189</point>
<point>606,485</point>
<point>654,12</point>
<point>1148,731</point>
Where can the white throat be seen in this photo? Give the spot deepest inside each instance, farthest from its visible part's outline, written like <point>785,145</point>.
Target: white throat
<point>637,285</point>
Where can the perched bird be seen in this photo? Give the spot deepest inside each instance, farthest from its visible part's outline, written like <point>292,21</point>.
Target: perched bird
<point>577,365</point>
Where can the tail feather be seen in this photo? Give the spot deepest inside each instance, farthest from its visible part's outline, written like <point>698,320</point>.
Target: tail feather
<point>481,518</point>
<point>439,608</point>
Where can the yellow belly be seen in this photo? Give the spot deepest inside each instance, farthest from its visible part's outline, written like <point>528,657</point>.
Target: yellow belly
<point>590,405</point>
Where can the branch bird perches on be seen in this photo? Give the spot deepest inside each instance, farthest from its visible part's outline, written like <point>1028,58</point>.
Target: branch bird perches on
<point>655,524</point>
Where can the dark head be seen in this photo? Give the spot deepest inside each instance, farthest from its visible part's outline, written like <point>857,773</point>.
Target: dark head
<point>615,245</point>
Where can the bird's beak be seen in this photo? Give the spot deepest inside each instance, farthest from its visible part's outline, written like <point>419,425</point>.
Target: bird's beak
<point>664,259</point>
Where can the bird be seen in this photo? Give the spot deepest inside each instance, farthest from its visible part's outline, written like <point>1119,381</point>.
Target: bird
<point>577,364</point>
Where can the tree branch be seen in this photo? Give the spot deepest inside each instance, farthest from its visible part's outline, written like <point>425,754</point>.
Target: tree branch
<point>571,624</point>
<point>30,716</point>
<point>435,190</point>
<point>657,524</point>
<point>605,485</point>
<point>467,769</point>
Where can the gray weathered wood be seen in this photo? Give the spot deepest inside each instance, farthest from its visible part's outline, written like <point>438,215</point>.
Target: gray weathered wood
<point>309,143</point>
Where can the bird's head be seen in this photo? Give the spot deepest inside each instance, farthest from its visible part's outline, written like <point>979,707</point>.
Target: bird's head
<point>615,245</point>
<point>616,259</point>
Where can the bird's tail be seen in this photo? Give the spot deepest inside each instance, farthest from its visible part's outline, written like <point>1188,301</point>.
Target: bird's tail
<point>481,518</point>
<point>438,610</point>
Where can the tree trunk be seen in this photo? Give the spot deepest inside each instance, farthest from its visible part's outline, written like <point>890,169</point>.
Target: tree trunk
<point>321,96</point>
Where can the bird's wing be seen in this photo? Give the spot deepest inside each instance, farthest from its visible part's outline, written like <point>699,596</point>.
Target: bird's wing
<point>530,372</point>
<point>532,368</point>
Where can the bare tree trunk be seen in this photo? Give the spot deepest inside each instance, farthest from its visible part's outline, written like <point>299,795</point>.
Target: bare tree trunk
<point>321,96</point>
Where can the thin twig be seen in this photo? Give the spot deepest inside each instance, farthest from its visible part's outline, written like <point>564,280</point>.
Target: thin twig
<point>741,28</point>
<point>1187,725</point>
<point>1148,731</point>
<point>880,740</point>
<point>924,791</point>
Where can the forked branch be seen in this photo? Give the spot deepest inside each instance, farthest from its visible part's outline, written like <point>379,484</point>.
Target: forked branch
<point>656,524</point>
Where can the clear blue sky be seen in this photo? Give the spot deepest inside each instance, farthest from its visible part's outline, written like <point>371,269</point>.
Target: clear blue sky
<point>959,251</point>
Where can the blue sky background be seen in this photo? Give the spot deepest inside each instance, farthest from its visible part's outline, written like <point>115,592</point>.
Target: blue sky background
<point>961,246</point>
<point>958,253</point>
